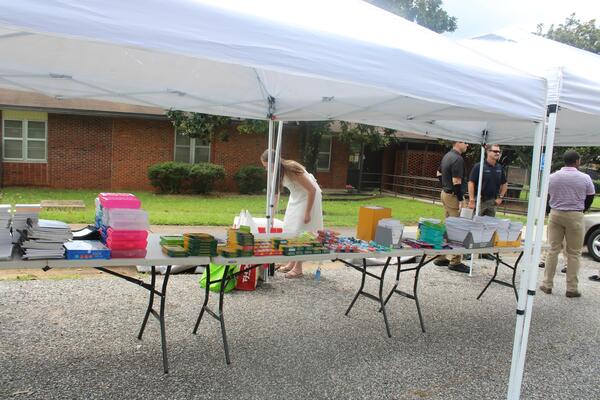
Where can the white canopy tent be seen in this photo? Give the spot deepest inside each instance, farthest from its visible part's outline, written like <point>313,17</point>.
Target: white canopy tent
<point>574,120</point>
<point>268,59</point>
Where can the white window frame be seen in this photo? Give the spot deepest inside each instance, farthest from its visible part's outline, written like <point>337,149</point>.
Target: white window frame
<point>326,152</point>
<point>24,139</point>
<point>192,149</point>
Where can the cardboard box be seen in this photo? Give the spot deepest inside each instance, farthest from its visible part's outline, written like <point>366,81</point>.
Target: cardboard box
<point>368,217</point>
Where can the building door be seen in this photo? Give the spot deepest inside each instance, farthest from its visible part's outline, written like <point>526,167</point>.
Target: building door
<point>371,169</point>
<point>354,164</point>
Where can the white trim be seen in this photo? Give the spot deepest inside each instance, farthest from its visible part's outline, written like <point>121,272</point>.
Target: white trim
<point>325,152</point>
<point>192,147</point>
<point>24,139</point>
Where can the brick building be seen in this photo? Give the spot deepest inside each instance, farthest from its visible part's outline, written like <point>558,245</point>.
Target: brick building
<point>107,146</point>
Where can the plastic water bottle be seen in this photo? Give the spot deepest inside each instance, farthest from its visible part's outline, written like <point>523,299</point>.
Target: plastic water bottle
<point>318,273</point>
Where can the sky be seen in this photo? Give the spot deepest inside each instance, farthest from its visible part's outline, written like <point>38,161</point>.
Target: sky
<point>477,17</point>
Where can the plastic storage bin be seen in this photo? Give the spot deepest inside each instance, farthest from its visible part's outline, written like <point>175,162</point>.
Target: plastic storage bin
<point>126,219</point>
<point>114,234</point>
<point>133,253</point>
<point>470,234</point>
<point>431,231</point>
<point>119,200</point>
<point>126,244</point>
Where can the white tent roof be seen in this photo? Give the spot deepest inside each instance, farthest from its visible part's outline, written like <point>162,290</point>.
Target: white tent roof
<point>319,59</point>
<point>573,78</point>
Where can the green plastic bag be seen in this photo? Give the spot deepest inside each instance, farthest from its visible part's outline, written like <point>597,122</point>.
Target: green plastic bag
<point>216,274</point>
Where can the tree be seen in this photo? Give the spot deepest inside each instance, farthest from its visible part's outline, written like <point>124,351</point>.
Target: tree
<point>199,126</point>
<point>427,13</point>
<point>585,36</point>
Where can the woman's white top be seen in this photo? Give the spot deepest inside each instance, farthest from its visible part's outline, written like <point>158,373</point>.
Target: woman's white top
<point>293,222</point>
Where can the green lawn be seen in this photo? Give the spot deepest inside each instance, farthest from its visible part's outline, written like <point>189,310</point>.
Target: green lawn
<point>217,209</point>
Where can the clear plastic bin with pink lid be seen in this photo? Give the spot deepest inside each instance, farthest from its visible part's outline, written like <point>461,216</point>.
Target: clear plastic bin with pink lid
<point>119,200</point>
<point>125,244</point>
<point>112,234</point>
<point>126,219</point>
<point>131,253</point>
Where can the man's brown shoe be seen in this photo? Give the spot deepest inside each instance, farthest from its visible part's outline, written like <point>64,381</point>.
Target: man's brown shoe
<point>546,290</point>
<point>573,294</point>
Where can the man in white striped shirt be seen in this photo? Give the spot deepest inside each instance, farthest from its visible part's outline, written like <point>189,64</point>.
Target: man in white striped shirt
<point>571,194</point>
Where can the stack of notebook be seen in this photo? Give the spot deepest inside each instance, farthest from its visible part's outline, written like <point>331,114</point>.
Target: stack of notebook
<point>45,239</point>
<point>5,236</point>
<point>23,213</point>
<point>200,244</point>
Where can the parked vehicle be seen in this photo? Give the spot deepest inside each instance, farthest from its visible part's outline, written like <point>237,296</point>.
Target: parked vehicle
<point>592,234</point>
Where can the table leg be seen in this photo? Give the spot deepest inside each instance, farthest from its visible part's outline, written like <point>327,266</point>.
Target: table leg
<point>150,301</point>
<point>163,335</point>
<point>224,282</point>
<point>381,302</point>
<point>218,316</point>
<point>414,296</point>
<point>206,296</point>
<point>514,272</point>
<point>362,285</point>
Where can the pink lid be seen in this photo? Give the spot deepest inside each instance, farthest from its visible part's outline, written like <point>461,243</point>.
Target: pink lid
<point>119,200</point>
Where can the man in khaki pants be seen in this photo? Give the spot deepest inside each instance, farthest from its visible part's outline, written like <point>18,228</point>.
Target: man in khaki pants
<point>452,169</point>
<point>571,194</point>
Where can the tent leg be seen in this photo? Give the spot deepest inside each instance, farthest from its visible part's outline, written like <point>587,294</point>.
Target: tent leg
<point>269,170</point>
<point>526,265</point>
<point>533,270</point>
<point>478,198</point>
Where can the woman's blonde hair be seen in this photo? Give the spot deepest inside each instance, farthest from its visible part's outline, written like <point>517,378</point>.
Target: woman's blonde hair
<point>286,167</point>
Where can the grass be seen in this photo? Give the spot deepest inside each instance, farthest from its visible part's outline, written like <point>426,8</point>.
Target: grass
<point>216,209</point>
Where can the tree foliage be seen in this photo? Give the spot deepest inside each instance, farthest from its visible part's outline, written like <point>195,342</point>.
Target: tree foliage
<point>199,126</point>
<point>585,36</point>
<point>427,13</point>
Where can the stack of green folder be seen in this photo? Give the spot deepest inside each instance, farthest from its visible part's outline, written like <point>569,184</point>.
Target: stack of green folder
<point>200,244</point>
<point>171,240</point>
<point>174,251</point>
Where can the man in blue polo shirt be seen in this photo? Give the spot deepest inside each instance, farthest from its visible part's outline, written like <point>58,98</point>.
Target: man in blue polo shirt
<point>494,184</point>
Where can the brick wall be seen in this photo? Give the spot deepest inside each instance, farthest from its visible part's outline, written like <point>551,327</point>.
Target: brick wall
<point>79,151</point>
<point>245,149</point>
<point>336,177</point>
<point>137,144</point>
<point>108,153</point>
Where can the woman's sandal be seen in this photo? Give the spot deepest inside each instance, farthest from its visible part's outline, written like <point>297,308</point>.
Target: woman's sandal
<point>292,274</point>
<point>284,268</point>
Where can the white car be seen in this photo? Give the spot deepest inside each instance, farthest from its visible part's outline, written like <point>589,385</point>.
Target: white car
<point>592,234</point>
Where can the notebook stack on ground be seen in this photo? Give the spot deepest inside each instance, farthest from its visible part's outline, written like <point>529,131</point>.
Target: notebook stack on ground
<point>45,239</point>
<point>6,245</point>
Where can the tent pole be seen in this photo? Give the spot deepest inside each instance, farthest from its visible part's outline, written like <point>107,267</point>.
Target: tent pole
<point>269,170</point>
<point>274,183</point>
<point>533,271</point>
<point>478,198</point>
<point>525,264</point>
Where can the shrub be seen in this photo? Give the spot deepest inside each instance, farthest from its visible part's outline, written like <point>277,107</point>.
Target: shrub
<point>251,179</point>
<point>204,175</point>
<point>169,177</point>
<point>597,185</point>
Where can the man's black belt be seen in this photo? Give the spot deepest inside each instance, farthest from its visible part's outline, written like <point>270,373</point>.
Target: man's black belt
<point>448,191</point>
